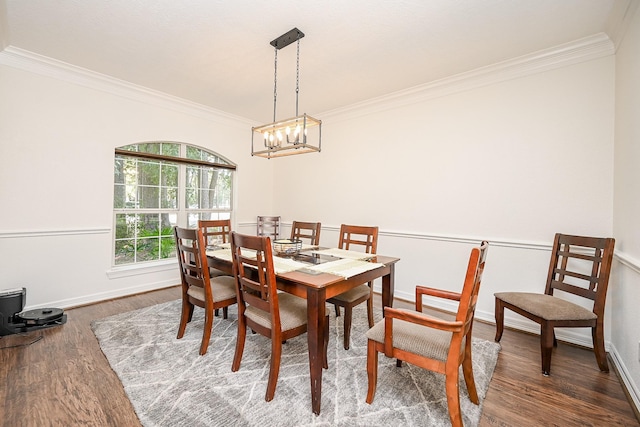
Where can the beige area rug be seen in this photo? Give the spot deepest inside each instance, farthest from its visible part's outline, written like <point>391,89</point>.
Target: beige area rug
<point>169,384</point>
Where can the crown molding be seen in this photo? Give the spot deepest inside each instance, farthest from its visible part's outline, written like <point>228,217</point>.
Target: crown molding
<point>619,20</point>
<point>4,26</point>
<point>585,49</point>
<point>45,66</point>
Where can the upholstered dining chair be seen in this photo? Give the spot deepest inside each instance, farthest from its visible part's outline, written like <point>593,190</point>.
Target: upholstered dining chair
<point>268,226</point>
<point>306,230</point>
<point>429,342</point>
<point>198,288</point>
<point>275,315</point>
<point>363,237</point>
<point>216,232</point>
<point>580,266</point>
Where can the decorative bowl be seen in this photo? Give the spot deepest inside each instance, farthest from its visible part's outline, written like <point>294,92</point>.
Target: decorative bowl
<point>287,246</point>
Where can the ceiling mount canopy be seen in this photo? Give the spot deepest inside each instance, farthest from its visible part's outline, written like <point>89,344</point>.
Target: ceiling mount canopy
<point>287,38</point>
<point>297,135</point>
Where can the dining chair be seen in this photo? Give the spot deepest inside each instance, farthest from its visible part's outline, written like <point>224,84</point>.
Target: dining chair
<point>268,226</point>
<point>306,230</point>
<point>580,266</point>
<point>275,315</point>
<point>355,236</point>
<point>216,232</point>
<point>429,342</point>
<point>198,288</point>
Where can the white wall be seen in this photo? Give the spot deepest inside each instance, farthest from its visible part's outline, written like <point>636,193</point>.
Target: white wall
<point>509,159</point>
<point>57,140</point>
<point>625,289</point>
<point>512,162</point>
<point>506,155</point>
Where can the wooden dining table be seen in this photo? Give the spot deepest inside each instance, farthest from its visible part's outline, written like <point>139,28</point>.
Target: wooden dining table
<point>316,288</point>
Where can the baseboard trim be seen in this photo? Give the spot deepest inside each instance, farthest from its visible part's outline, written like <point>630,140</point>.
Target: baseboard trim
<point>104,296</point>
<point>630,388</point>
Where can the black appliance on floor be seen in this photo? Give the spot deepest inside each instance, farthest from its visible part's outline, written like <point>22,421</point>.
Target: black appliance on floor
<point>13,320</point>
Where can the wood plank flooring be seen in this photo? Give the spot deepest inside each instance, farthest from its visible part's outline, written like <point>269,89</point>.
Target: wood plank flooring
<point>65,380</point>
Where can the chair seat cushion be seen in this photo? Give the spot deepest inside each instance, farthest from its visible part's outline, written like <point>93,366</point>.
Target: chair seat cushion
<point>353,294</point>
<point>216,273</point>
<point>417,339</point>
<point>293,312</point>
<point>546,306</point>
<point>222,287</point>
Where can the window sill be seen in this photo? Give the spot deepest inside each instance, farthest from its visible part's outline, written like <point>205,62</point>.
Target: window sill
<point>147,268</point>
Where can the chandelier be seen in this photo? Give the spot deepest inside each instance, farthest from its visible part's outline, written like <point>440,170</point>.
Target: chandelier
<point>297,135</point>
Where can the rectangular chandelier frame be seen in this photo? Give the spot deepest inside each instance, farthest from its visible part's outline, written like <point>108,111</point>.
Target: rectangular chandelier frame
<point>297,135</point>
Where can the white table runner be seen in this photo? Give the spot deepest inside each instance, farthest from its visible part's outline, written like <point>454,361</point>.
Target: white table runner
<point>223,254</point>
<point>280,265</point>
<point>342,253</point>
<point>345,267</point>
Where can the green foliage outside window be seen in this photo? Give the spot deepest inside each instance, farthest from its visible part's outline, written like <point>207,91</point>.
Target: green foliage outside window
<point>147,193</point>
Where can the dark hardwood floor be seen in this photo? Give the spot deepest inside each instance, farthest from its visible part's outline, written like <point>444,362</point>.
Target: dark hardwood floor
<point>65,380</point>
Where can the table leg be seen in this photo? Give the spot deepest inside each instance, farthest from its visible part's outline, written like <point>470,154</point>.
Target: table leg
<point>316,301</point>
<point>388,285</point>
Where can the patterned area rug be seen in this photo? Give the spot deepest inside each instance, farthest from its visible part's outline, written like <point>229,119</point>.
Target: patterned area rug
<point>169,384</point>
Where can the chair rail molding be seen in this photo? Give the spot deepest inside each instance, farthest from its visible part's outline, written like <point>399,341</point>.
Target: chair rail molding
<point>501,242</point>
<point>628,261</point>
<point>53,233</point>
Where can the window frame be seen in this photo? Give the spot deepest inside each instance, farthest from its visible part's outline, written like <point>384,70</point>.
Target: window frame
<point>182,213</point>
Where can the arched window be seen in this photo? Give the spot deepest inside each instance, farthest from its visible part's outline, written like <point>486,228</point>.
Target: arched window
<point>158,185</point>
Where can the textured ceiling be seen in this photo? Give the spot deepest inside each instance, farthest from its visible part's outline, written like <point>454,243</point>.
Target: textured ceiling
<point>217,52</point>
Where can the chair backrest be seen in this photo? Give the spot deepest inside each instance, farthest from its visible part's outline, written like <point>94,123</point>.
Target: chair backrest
<point>215,231</point>
<point>471,287</point>
<point>255,275</point>
<point>306,230</point>
<point>192,260</point>
<point>581,266</point>
<point>269,226</point>
<point>356,235</point>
